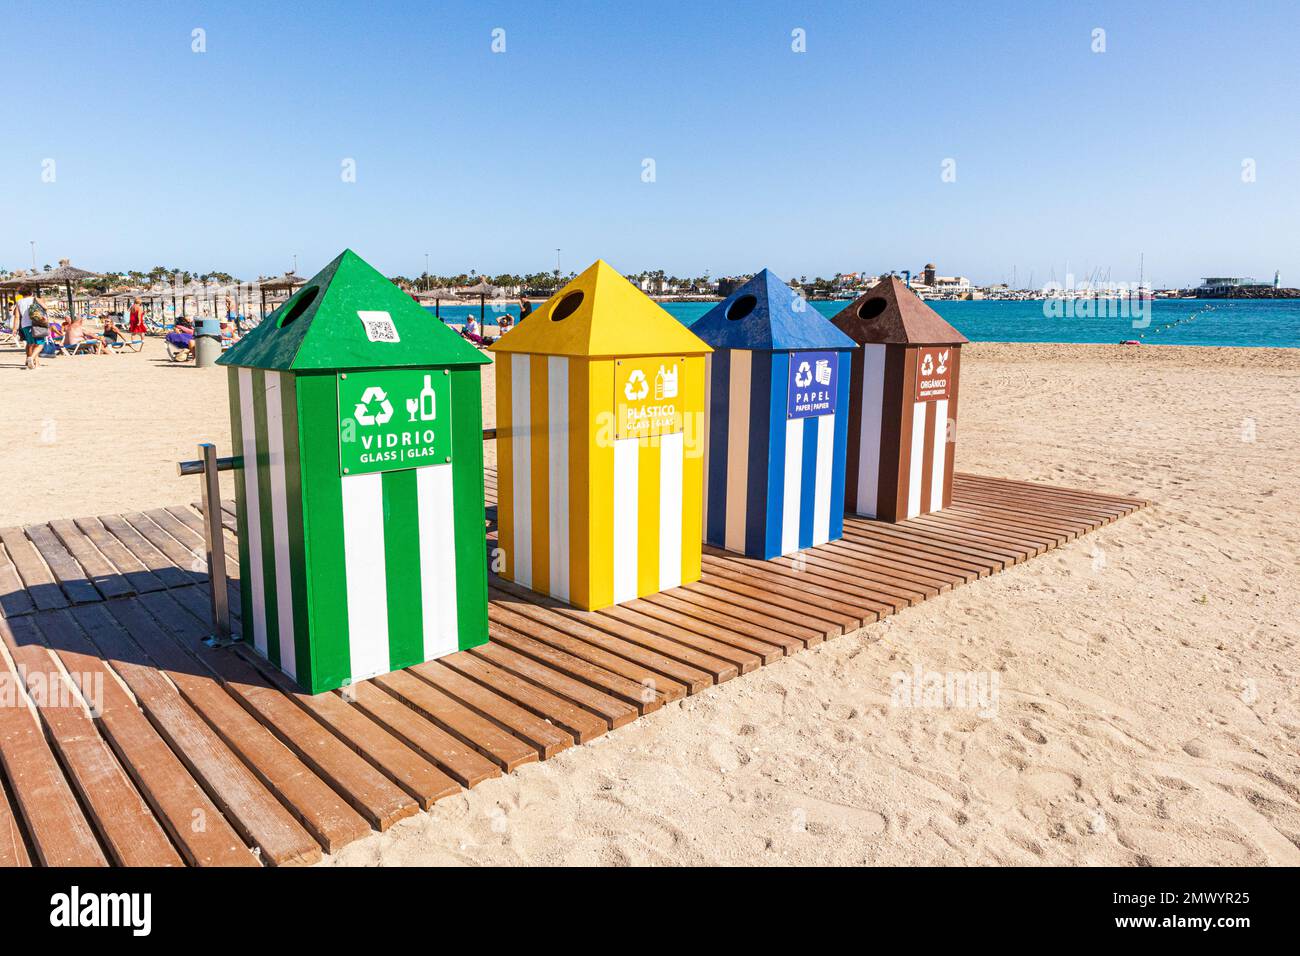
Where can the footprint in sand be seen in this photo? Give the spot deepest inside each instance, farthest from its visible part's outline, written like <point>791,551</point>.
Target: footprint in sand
<point>1032,733</point>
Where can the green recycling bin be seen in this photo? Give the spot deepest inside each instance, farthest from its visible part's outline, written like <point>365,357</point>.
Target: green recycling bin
<point>359,422</point>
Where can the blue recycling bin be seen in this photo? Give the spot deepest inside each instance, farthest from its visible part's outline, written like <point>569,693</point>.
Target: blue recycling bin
<point>776,400</point>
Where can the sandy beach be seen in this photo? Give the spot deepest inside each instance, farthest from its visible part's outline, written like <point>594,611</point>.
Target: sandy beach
<point>1148,705</point>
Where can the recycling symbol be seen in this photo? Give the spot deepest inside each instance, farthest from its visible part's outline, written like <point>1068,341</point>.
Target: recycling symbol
<point>637,387</point>
<point>362,414</point>
<point>803,375</point>
<point>927,364</point>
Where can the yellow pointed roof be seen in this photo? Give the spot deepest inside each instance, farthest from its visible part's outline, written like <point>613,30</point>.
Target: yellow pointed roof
<point>599,313</point>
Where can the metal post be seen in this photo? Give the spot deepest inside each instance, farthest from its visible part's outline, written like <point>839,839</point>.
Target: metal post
<point>215,545</point>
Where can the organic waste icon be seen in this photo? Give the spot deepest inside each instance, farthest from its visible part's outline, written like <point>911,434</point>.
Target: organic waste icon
<point>943,362</point>
<point>803,375</point>
<point>363,413</point>
<point>637,387</point>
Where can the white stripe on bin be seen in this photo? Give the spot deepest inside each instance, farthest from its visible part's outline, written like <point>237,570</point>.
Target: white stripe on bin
<point>738,449</point>
<point>557,386</point>
<point>705,438</point>
<point>873,393</point>
<point>914,465</point>
<point>367,581</point>
<point>822,490</point>
<point>671,451</point>
<point>280,522</point>
<point>940,453</point>
<point>521,430</point>
<point>253,507</point>
<point>792,497</point>
<point>433,489</point>
<point>626,508</point>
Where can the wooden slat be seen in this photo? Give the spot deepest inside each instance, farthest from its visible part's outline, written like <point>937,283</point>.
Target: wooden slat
<point>124,821</point>
<point>407,769</point>
<point>795,587</point>
<point>138,577</point>
<point>76,585</point>
<point>461,762</point>
<point>811,625</point>
<point>628,681</point>
<point>14,597</point>
<point>107,579</point>
<point>197,828</point>
<point>614,711</point>
<point>191,563</point>
<point>61,834</point>
<point>539,733</point>
<point>13,847</point>
<point>143,552</point>
<point>581,724</point>
<point>325,815</point>
<point>707,616</point>
<point>380,801</point>
<point>721,660</point>
<point>39,581</point>
<point>254,812</point>
<point>558,625</point>
<point>500,746</point>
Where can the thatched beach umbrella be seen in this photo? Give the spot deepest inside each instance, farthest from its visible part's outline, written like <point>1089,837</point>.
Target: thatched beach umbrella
<point>438,295</point>
<point>483,289</point>
<point>285,283</point>
<point>64,275</point>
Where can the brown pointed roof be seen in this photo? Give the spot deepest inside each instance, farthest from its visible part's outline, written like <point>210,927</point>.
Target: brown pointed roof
<point>889,313</point>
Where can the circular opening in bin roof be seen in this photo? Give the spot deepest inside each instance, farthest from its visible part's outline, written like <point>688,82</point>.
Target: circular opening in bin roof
<point>872,308</point>
<point>566,306</point>
<point>741,307</point>
<point>305,299</point>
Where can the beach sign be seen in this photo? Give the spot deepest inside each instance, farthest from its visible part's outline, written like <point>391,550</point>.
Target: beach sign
<point>812,384</point>
<point>600,416</point>
<point>774,472</point>
<point>903,409</point>
<point>394,418</point>
<point>358,422</point>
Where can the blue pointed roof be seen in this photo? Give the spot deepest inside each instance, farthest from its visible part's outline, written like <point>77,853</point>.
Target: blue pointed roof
<point>765,314</point>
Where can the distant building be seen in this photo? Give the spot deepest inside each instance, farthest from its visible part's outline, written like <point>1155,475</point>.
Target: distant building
<point>929,281</point>
<point>729,284</point>
<point>1225,285</point>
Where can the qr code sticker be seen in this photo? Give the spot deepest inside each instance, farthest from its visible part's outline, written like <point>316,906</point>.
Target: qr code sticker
<point>379,326</point>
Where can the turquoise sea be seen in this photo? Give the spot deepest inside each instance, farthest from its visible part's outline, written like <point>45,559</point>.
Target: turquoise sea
<point>1261,322</point>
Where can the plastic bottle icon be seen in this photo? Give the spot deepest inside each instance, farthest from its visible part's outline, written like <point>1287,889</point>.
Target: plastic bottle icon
<point>428,401</point>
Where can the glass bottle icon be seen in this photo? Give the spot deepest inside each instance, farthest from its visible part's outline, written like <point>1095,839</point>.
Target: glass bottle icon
<point>428,400</point>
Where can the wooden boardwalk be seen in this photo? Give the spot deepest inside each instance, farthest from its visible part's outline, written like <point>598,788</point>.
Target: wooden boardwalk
<point>125,740</point>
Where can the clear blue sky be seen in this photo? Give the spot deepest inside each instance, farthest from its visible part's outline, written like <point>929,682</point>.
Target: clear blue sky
<point>809,163</point>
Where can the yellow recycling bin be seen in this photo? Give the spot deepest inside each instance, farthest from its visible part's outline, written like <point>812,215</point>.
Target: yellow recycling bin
<point>600,445</point>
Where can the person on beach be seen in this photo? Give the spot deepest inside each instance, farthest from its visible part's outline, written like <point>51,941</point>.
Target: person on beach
<point>525,308</point>
<point>182,334</point>
<point>135,320</point>
<point>32,335</point>
<point>76,334</point>
<point>233,318</point>
<point>473,332</point>
<point>112,335</point>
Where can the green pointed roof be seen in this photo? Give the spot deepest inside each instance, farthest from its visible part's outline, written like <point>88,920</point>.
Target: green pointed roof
<point>321,327</point>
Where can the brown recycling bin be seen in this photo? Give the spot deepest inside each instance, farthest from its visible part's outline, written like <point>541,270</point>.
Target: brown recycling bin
<point>902,404</point>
